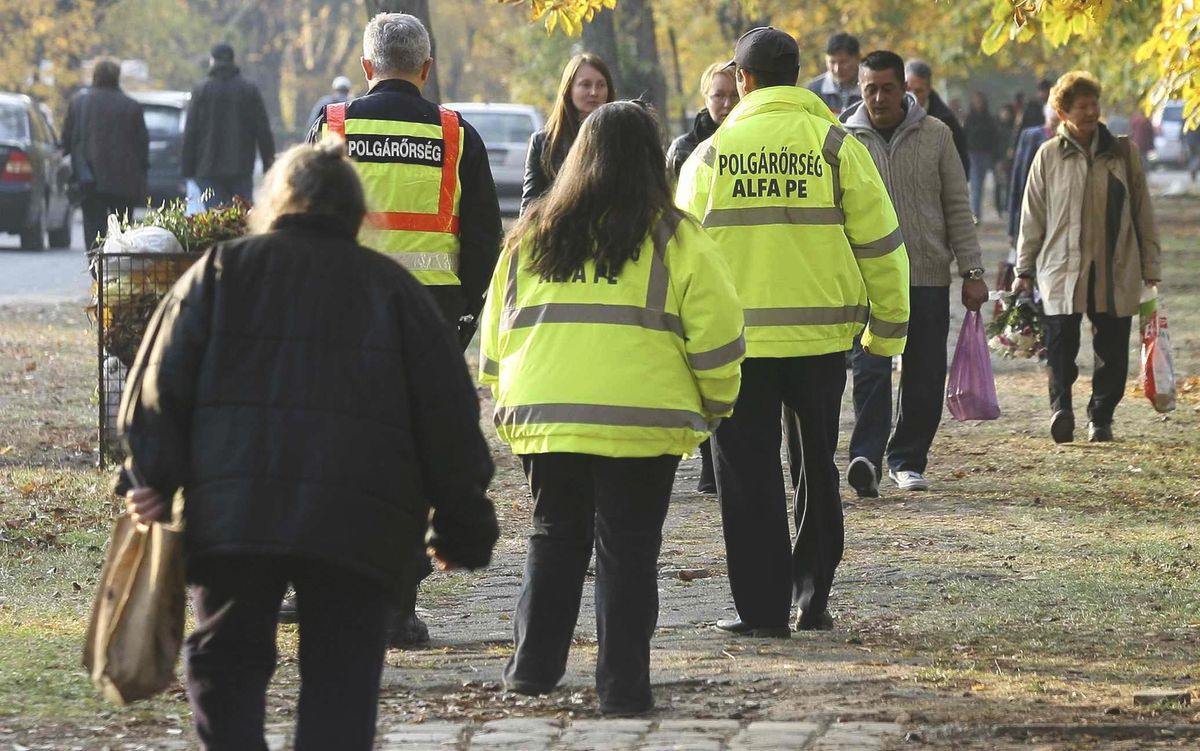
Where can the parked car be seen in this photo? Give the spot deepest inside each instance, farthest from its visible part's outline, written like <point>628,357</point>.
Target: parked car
<point>505,130</point>
<point>33,176</point>
<point>1168,135</point>
<point>165,113</point>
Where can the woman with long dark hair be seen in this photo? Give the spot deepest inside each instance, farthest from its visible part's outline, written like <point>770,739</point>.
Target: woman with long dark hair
<point>612,340</point>
<point>586,84</point>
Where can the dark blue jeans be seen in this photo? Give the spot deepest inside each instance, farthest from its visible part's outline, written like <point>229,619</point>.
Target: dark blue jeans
<point>922,388</point>
<point>225,188</point>
<point>618,506</point>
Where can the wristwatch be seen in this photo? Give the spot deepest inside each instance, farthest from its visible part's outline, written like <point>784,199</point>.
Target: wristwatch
<point>975,273</point>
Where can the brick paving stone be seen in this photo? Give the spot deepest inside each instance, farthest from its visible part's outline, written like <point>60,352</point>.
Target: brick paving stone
<point>430,733</point>
<point>851,736</point>
<point>681,742</point>
<point>723,727</point>
<point>616,726</point>
<point>527,725</point>
<point>774,735</point>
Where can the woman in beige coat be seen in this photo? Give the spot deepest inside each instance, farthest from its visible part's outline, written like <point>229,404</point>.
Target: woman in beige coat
<point>1088,239</point>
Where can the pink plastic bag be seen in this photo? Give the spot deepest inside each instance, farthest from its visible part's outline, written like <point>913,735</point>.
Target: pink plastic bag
<point>971,390</point>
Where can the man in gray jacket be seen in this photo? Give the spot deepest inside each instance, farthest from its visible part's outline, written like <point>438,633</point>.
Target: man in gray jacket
<point>916,156</point>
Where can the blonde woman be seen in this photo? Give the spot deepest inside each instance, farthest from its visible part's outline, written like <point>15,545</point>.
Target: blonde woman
<point>720,97</point>
<point>308,399</point>
<point>1089,242</point>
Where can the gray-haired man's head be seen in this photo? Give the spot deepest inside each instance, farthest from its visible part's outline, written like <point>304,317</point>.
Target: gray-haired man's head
<point>918,78</point>
<point>396,44</point>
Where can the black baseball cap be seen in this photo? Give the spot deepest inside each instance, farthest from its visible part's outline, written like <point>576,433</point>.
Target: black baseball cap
<point>766,49</point>
<point>221,52</point>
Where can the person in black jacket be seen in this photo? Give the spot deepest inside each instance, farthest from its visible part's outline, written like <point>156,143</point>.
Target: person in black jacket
<point>105,136</point>
<point>586,84</point>
<point>720,96</point>
<point>304,396</point>
<point>918,79</point>
<point>226,122</point>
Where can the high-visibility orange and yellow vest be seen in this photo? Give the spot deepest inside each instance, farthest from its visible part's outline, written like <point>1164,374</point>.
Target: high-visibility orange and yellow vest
<point>409,173</point>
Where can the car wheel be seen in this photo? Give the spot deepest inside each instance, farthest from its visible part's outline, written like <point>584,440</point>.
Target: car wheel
<point>61,237</point>
<point>34,238</point>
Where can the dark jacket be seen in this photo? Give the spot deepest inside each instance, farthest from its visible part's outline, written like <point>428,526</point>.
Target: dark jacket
<point>681,148</point>
<point>479,224</point>
<point>983,131</point>
<point>306,395</point>
<point>107,129</point>
<point>226,121</point>
<point>1027,147</point>
<point>938,108</point>
<point>537,181</point>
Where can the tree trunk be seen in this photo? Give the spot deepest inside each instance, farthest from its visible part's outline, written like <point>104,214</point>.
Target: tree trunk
<point>600,38</point>
<point>420,9</point>
<point>641,68</point>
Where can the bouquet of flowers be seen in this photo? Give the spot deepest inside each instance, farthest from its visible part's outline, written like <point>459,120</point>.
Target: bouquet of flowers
<point>1018,330</point>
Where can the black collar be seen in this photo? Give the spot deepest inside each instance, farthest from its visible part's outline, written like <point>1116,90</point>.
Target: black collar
<point>396,85</point>
<point>323,224</point>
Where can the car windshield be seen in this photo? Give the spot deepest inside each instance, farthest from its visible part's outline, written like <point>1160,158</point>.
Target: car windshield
<point>162,121</point>
<point>501,127</point>
<point>14,125</point>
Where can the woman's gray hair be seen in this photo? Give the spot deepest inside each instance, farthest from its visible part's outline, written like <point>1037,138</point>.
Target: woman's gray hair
<point>396,43</point>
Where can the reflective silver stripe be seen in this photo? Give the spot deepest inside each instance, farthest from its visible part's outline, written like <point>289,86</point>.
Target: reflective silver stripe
<point>510,290</point>
<point>880,247</point>
<point>427,261</point>
<point>806,316</point>
<point>599,414</point>
<point>567,312</point>
<point>833,144</point>
<point>760,215</point>
<point>715,407</point>
<point>888,330</point>
<point>723,355</point>
<point>659,281</point>
<point>489,366</point>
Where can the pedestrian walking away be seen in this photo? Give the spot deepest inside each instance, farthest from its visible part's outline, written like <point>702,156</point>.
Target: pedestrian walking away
<point>236,375</point>
<point>105,136</point>
<point>1089,241</point>
<point>226,123</point>
<point>916,157</point>
<point>611,341</point>
<point>720,96</point>
<point>339,93</point>
<point>427,180</point>
<point>586,84</point>
<point>983,131</point>
<point>760,200</point>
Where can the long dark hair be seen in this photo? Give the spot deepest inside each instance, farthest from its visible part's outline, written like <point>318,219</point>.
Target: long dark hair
<point>563,126</point>
<point>612,186</point>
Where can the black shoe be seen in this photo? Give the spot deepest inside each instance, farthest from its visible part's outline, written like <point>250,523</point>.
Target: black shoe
<point>736,626</point>
<point>823,622</point>
<point>1062,426</point>
<point>1099,433</point>
<point>288,612</point>
<point>407,630</point>
<point>527,689</point>
<point>861,476</point>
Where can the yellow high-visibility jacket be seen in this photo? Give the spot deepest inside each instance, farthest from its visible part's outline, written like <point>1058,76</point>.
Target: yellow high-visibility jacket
<point>409,172</point>
<point>641,363</point>
<point>802,216</point>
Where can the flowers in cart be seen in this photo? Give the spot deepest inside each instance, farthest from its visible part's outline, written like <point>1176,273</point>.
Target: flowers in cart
<point>1019,331</point>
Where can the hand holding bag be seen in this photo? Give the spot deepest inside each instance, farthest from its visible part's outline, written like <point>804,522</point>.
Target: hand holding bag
<point>971,389</point>
<point>136,629</point>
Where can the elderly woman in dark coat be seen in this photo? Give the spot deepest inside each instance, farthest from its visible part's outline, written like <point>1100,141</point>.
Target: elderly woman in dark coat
<point>306,397</point>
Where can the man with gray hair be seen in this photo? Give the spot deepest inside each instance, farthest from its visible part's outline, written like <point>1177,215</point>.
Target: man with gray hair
<point>430,193</point>
<point>918,79</point>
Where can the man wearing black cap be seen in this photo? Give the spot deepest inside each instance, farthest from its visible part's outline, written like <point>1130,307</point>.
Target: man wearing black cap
<point>804,221</point>
<point>838,85</point>
<point>226,122</point>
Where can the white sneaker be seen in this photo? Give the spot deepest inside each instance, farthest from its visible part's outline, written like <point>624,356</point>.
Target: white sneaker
<point>906,480</point>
